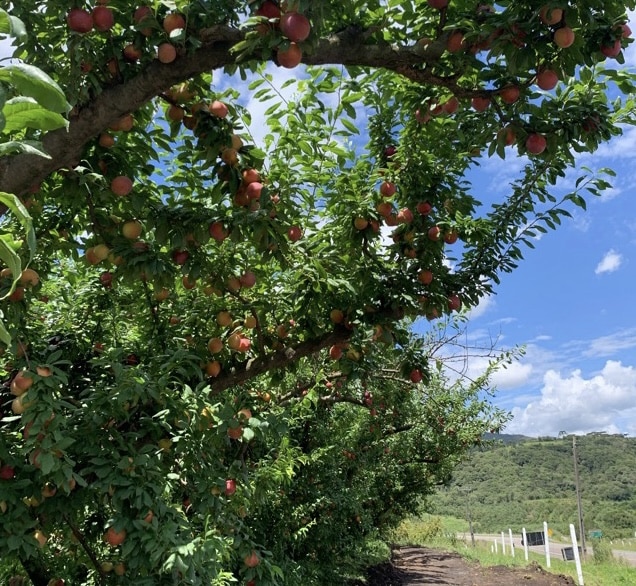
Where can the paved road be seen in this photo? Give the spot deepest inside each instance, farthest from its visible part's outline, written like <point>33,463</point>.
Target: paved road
<point>555,547</point>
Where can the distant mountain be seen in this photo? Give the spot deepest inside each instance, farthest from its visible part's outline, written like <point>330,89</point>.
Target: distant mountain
<point>521,482</point>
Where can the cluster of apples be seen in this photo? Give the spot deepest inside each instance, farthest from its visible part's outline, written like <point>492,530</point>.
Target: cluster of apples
<point>295,28</point>
<point>27,280</point>
<point>102,19</point>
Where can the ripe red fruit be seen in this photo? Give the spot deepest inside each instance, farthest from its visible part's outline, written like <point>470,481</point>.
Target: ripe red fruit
<point>251,560</point>
<point>269,10</point>
<point>295,26</point>
<point>248,279</point>
<point>106,279</point>
<point>79,21</point>
<point>6,472</point>
<point>510,94</point>
<point>415,376</point>
<point>547,79</point>
<point>180,256</point>
<point>424,208</point>
<point>536,144</point>
<point>289,57</point>
<point>550,16</point>
<point>564,37</point>
<point>132,53</point>
<point>114,537</point>
<point>455,42</point>
<point>230,487</point>
<point>217,231</point>
<point>508,135</point>
<point>438,4</point>
<point>121,185</point>
<point>434,233</point>
<point>387,188</point>
<point>103,18</point>
<point>450,106</point>
<point>425,277</point>
<point>173,22</point>
<point>451,237</point>
<point>405,216</point>
<point>335,352</point>
<point>254,190</point>
<point>218,108</point>
<point>611,50</point>
<point>166,53</point>
<point>454,302</point>
<point>480,104</point>
<point>294,233</point>
<point>142,14</point>
<point>626,31</point>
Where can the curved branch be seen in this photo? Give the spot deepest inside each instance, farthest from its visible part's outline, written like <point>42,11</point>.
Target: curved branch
<point>349,47</point>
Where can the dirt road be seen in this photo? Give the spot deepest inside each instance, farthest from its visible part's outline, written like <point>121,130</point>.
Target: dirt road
<point>419,566</point>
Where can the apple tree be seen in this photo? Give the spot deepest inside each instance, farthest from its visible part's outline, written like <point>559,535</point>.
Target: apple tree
<point>221,222</point>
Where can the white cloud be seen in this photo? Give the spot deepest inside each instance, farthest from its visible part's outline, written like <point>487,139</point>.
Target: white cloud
<point>485,303</point>
<point>604,402</point>
<point>611,262</point>
<point>610,345</point>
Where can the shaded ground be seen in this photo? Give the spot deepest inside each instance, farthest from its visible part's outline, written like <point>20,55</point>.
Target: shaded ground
<point>415,566</point>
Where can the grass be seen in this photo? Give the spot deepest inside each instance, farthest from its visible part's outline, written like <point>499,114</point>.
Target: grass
<point>442,533</point>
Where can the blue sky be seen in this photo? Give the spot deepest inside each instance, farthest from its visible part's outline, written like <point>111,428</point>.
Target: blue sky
<point>570,303</point>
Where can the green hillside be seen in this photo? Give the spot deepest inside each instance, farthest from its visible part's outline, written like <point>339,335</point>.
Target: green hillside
<point>524,483</point>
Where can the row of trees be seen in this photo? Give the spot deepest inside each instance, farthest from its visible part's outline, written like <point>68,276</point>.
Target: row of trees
<point>210,374</point>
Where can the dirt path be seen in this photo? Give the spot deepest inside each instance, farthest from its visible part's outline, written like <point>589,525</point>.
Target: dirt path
<point>418,566</point>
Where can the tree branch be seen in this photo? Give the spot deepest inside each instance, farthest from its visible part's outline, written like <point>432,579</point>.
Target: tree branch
<point>349,47</point>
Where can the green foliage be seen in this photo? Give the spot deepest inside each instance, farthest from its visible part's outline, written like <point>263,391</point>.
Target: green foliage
<point>525,483</point>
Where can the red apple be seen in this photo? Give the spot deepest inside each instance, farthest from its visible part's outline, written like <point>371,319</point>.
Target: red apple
<point>550,16</point>
<point>480,104</point>
<point>132,53</point>
<point>166,53</point>
<point>79,21</point>
<point>295,26</point>
<point>173,22</point>
<point>294,233</point>
<point>180,257</point>
<point>248,279</point>
<point>103,18</point>
<point>335,352</point>
<point>269,10</point>
<point>536,144</point>
<point>564,37</point>
<point>454,302</point>
<point>217,231</point>
<point>121,185</point>
<point>510,94</point>
<point>450,106</point>
<point>425,277</point>
<point>218,108</point>
<point>114,537</point>
<point>547,79</point>
<point>455,42</point>
<point>451,237</point>
<point>252,560</point>
<point>230,487</point>
<point>424,208</point>
<point>611,50</point>
<point>106,279</point>
<point>6,472</point>
<point>434,233</point>
<point>388,189</point>
<point>415,376</point>
<point>290,57</point>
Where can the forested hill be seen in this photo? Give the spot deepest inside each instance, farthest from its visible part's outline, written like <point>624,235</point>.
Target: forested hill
<point>526,482</point>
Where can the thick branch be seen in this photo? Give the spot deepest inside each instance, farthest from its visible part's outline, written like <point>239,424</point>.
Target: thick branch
<point>280,359</point>
<point>348,47</point>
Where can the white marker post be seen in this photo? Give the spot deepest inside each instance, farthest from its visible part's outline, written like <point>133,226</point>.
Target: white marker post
<point>577,557</point>
<point>525,543</point>
<point>512,543</point>
<point>546,539</point>
<point>496,546</point>
<point>503,544</point>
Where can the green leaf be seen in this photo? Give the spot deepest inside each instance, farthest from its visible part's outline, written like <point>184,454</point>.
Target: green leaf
<point>15,205</point>
<point>13,147</point>
<point>5,337</point>
<point>27,113</point>
<point>10,25</point>
<point>34,83</point>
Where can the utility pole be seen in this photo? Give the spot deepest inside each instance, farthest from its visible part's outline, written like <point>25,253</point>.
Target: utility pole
<point>577,484</point>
